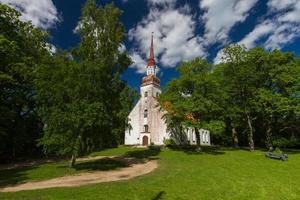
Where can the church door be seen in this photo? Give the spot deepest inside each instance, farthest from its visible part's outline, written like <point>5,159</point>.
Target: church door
<point>145,140</point>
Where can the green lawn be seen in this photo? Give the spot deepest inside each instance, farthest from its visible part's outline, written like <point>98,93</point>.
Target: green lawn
<point>222,174</point>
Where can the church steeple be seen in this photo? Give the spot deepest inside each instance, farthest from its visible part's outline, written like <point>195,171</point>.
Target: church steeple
<point>151,67</point>
<point>151,77</point>
<point>151,61</point>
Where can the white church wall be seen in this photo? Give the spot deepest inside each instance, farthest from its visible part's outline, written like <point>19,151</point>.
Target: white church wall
<point>132,135</point>
<point>152,91</point>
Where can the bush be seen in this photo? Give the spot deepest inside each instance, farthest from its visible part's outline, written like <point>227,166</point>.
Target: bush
<point>168,142</point>
<point>282,142</point>
<point>277,151</point>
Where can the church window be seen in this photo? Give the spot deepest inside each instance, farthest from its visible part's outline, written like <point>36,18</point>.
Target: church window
<point>157,94</point>
<point>146,129</point>
<point>145,113</point>
<point>146,94</point>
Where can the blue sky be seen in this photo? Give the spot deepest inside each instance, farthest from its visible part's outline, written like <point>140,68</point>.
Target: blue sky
<point>183,29</point>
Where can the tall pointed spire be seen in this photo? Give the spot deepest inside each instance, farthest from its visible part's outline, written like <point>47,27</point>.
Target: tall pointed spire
<point>151,77</point>
<point>151,61</point>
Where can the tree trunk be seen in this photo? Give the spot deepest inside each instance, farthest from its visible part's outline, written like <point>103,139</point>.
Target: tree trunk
<point>235,140</point>
<point>198,139</point>
<point>72,161</point>
<point>250,134</point>
<point>269,137</point>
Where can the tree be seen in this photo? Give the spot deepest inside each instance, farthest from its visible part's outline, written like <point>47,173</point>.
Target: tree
<point>240,74</point>
<point>263,88</point>
<point>81,94</point>
<point>279,78</point>
<point>195,98</point>
<point>22,48</point>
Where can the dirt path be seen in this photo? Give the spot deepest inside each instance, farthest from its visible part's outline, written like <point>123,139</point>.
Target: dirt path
<point>134,170</point>
<point>44,161</point>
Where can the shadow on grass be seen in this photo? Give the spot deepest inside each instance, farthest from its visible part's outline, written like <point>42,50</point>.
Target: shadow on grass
<point>103,164</point>
<point>143,154</point>
<point>159,195</point>
<point>192,150</point>
<point>14,176</point>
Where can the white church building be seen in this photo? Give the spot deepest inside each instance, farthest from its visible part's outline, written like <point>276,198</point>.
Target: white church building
<point>146,124</point>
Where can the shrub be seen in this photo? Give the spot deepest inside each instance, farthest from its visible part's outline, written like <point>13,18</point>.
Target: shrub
<point>277,151</point>
<point>281,142</point>
<point>168,142</point>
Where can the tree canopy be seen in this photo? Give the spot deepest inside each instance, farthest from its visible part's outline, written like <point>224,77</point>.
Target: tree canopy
<point>82,93</point>
<point>253,94</point>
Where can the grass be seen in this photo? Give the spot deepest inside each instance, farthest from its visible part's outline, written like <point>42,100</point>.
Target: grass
<point>53,170</point>
<point>219,174</point>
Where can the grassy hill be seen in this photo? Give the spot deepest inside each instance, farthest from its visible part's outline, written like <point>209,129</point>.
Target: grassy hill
<point>219,174</point>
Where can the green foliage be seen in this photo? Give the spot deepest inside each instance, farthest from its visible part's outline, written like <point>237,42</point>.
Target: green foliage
<point>281,142</point>
<point>277,150</point>
<point>194,100</point>
<point>22,49</point>
<point>253,94</point>
<point>168,142</point>
<point>83,102</point>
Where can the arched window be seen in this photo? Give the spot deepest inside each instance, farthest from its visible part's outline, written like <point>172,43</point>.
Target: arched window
<point>157,94</point>
<point>146,94</point>
<point>145,113</point>
<point>146,128</point>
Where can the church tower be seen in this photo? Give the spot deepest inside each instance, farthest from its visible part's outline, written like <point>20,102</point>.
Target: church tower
<point>146,125</point>
<point>145,122</point>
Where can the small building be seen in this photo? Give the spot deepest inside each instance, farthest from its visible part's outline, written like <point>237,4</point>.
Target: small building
<point>146,123</point>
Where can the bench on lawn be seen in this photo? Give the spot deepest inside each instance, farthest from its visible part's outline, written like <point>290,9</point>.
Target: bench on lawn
<point>282,157</point>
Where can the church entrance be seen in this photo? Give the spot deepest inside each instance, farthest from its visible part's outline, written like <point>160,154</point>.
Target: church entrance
<point>145,140</point>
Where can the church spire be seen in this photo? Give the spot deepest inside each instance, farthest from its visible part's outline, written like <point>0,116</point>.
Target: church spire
<point>151,77</point>
<point>151,61</point>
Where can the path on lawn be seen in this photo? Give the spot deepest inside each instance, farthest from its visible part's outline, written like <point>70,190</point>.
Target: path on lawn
<point>136,168</point>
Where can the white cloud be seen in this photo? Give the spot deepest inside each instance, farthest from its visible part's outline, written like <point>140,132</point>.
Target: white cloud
<point>277,5</point>
<point>292,16</point>
<point>219,56</point>
<point>280,29</point>
<point>174,36</point>
<point>221,16</point>
<point>261,30</point>
<point>138,62</point>
<point>282,35</point>
<point>42,13</point>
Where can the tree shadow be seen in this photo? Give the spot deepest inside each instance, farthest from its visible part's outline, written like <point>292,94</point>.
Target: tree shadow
<point>149,154</point>
<point>9,177</point>
<point>192,150</point>
<point>14,176</point>
<point>103,164</point>
<point>159,195</point>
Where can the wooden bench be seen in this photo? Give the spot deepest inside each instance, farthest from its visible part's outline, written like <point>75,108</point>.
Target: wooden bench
<point>282,157</point>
